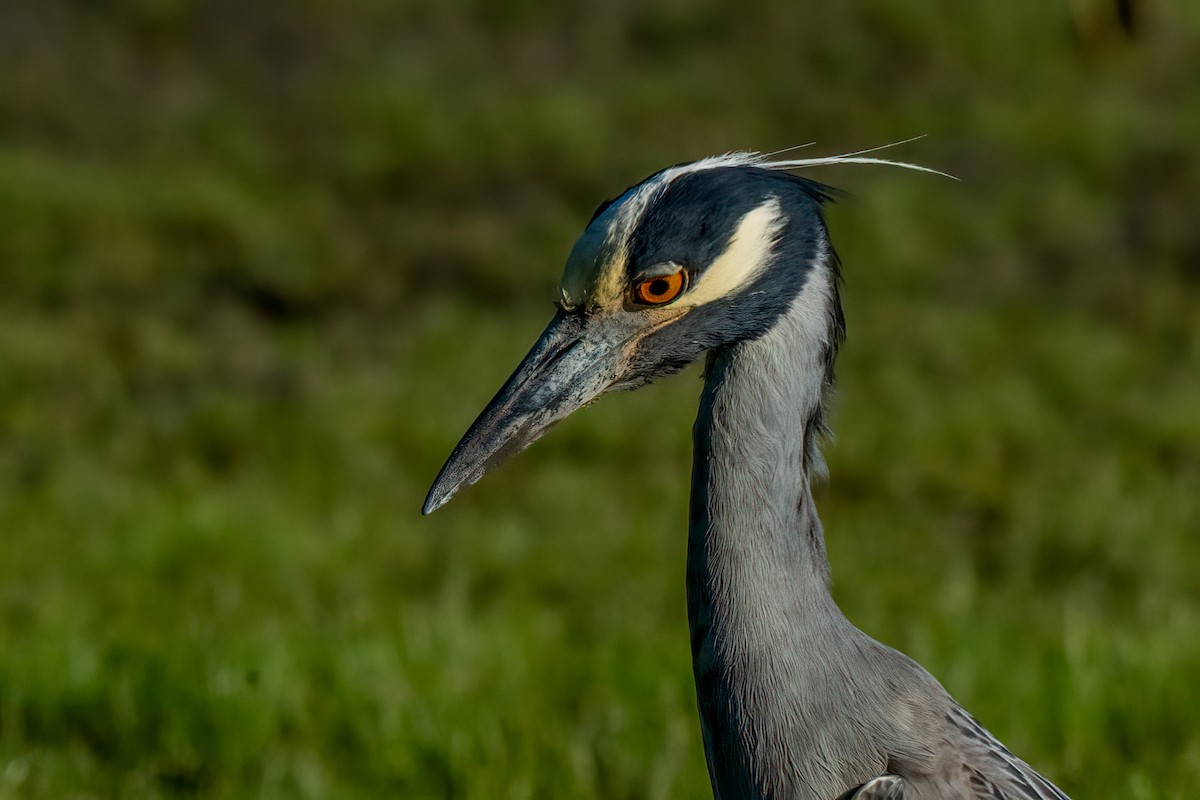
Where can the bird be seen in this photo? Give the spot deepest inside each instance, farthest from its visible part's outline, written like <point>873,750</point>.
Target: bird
<point>729,258</point>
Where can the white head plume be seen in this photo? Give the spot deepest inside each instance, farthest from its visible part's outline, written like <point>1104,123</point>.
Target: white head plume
<point>745,158</point>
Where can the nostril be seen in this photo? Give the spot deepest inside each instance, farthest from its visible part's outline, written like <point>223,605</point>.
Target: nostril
<point>558,355</point>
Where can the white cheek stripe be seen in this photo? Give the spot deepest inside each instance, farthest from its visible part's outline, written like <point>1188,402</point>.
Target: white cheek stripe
<point>744,257</point>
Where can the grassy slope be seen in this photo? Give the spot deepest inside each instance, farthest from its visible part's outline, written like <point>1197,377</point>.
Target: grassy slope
<point>262,268</point>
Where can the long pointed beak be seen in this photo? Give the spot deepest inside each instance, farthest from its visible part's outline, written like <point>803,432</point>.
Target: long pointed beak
<point>572,363</point>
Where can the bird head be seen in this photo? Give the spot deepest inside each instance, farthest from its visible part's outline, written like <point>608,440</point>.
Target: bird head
<point>695,257</point>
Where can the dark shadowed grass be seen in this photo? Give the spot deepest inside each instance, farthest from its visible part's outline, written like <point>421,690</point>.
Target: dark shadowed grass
<point>262,267</point>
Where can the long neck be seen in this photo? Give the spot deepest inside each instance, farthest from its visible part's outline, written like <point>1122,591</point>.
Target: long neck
<point>752,514</point>
<point>766,634</point>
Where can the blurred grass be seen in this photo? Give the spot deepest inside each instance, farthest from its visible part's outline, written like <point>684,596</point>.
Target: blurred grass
<point>262,264</point>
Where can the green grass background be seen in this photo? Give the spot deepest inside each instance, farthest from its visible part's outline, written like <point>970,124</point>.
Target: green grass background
<point>261,263</point>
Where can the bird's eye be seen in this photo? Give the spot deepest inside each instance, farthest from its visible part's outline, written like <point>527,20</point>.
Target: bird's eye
<point>660,289</point>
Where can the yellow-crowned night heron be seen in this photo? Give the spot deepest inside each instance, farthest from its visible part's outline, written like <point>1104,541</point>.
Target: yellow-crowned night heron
<point>730,256</point>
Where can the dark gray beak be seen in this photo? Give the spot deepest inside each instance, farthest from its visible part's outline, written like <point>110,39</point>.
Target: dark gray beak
<point>576,359</point>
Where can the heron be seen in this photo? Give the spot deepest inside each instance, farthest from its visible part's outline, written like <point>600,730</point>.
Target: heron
<point>730,257</point>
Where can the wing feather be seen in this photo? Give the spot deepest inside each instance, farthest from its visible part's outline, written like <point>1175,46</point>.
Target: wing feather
<point>991,769</point>
<point>885,787</point>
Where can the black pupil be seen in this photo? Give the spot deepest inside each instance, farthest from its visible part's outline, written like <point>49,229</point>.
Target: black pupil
<point>659,286</point>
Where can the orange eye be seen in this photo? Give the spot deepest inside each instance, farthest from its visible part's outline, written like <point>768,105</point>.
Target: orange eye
<point>659,289</point>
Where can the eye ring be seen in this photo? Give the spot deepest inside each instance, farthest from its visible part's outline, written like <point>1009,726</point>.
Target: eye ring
<point>659,290</point>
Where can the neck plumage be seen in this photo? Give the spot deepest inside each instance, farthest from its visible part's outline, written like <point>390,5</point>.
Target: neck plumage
<point>767,637</point>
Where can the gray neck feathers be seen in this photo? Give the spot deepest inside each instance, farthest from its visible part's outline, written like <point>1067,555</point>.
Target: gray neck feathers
<point>770,648</point>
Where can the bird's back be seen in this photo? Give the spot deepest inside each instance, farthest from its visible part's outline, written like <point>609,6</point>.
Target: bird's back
<point>936,750</point>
